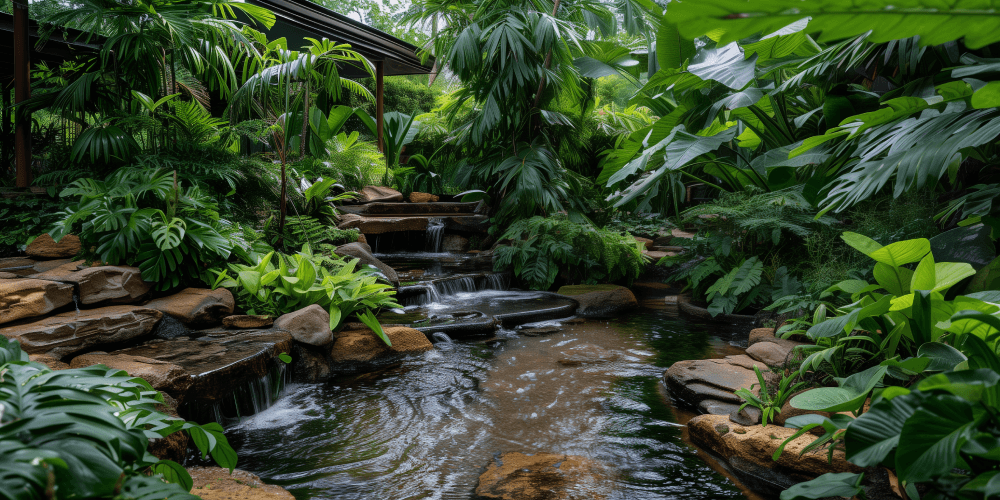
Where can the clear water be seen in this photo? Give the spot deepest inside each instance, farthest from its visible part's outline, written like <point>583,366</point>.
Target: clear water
<point>426,428</point>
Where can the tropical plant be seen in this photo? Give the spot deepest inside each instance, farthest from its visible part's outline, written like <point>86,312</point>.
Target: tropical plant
<point>25,218</point>
<point>543,248</point>
<point>768,404</point>
<point>84,433</point>
<point>148,219</point>
<point>352,162</point>
<point>399,130</point>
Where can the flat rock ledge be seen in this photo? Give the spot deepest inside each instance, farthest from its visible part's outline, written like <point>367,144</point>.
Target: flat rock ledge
<point>28,298</point>
<point>600,301</point>
<point>357,351</point>
<point>544,476</point>
<point>216,483</point>
<point>770,350</point>
<point>64,334</point>
<point>713,380</point>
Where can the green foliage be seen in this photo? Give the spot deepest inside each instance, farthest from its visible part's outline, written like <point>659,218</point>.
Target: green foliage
<point>402,94</point>
<point>303,230</point>
<point>769,404</point>
<point>304,279</point>
<point>24,218</point>
<point>351,161</point>
<point>147,218</point>
<point>543,248</point>
<point>84,433</point>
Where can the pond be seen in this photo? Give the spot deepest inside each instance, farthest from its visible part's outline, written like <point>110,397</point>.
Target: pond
<point>427,427</point>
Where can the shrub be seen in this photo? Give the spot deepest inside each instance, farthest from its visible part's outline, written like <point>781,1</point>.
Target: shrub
<point>24,218</point>
<point>542,248</point>
<point>352,162</point>
<point>401,94</point>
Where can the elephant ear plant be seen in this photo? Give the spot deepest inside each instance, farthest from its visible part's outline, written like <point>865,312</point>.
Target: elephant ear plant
<point>84,433</point>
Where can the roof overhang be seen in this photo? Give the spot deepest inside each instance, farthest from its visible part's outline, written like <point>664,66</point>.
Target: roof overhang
<point>62,45</point>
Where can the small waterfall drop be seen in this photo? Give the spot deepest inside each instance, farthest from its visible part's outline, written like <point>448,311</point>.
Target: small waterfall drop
<point>435,234</point>
<point>251,398</point>
<point>463,284</point>
<point>441,338</point>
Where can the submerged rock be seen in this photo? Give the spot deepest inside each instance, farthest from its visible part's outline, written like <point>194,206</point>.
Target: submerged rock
<point>27,298</point>
<point>44,247</point>
<point>216,483</point>
<point>197,307</point>
<point>309,325</point>
<point>363,252</point>
<point>357,350</point>
<point>71,332</point>
<point>599,301</point>
<point>242,321</point>
<point>544,476</point>
<point>163,376</point>
<point>118,284</point>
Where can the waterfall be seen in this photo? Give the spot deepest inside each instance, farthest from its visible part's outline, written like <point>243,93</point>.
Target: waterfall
<point>435,233</point>
<point>437,290</point>
<point>454,286</point>
<point>442,338</point>
<point>495,282</point>
<point>255,396</point>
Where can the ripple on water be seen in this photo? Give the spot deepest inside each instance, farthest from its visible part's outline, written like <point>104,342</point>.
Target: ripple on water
<point>426,428</point>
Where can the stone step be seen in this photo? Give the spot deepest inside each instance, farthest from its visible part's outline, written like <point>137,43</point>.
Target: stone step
<point>380,224</point>
<point>437,208</point>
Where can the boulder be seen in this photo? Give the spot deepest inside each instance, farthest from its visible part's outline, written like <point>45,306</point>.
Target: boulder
<point>27,298</point>
<point>756,444</point>
<point>656,255</point>
<point>117,284</point>
<point>312,364</point>
<point>646,242</point>
<point>600,301</point>
<point>242,321</point>
<point>454,243</point>
<point>544,476</point>
<point>309,325</point>
<point>216,483</point>
<point>379,194</point>
<point>173,447</point>
<point>760,335</point>
<point>44,247</point>
<point>197,307</point>
<point>714,407</point>
<point>71,332</point>
<point>356,350</point>
<point>49,361</point>
<point>699,379</point>
<point>771,353</point>
<point>364,253</point>
<point>749,415</point>
<point>163,376</point>
<point>416,197</point>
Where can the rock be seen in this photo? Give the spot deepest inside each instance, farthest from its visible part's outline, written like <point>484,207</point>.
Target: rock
<point>44,247</point>
<point>656,255</point>
<point>312,364</point>
<point>27,298</point>
<point>364,253</point>
<point>544,476</point>
<point>540,330</point>
<point>747,416</point>
<point>662,241</point>
<point>361,349</point>
<point>242,321</point>
<point>416,197</point>
<point>585,354</point>
<point>362,239</point>
<point>598,301</point>
<point>161,375</point>
<point>173,447</point>
<point>760,335</point>
<point>756,444</point>
<point>197,307</point>
<point>714,407</point>
<point>49,361</point>
<point>646,242</point>
<point>216,483</point>
<point>695,380</point>
<point>773,354</point>
<point>16,263</point>
<point>379,194</point>
<point>747,362</point>
<point>454,243</point>
<point>8,276</point>
<point>71,332</point>
<point>118,284</point>
<point>309,325</point>
<point>66,266</point>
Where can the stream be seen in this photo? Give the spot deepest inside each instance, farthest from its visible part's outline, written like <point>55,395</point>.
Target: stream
<point>427,427</point>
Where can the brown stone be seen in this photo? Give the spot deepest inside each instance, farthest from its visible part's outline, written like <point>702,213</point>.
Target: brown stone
<point>756,444</point>
<point>71,332</point>
<point>599,301</point>
<point>309,325</point>
<point>416,197</point>
<point>363,252</point>
<point>695,380</point>
<point>362,239</point>
<point>544,476</point>
<point>379,194</point>
<point>312,364</point>
<point>656,255</point>
<point>216,483</point>
<point>66,266</point>
<point>118,284</point>
<point>773,354</point>
<point>379,225</point>
<point>760,335</point>
<point>454,243</point>
<point>49,361</point>
<point>16,262</point>
<point>744,361</point>
<point>363,346</point>
<point>197,307</point>
<point>8,276</point>
<point>27,298</point>
<point>44,247</point>
<point>242,321</point>
<point>646,242</point>
<point>161,375</point>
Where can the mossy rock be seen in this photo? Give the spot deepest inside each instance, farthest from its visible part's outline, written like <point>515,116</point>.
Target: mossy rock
<point>600,301</point>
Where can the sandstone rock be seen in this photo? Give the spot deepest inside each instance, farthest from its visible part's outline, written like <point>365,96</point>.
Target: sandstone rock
<point>538,331</point>
<point>744,361</point>
<point>760,335</point>
<point>243,321</point>
<point>771,353</point>
<point>215,483</point>
<point>454,243</point>
<point>197,307</point>
<point>695,380</point>
<point>27,298</point>
<point>65,266</point>
<point>362,239</point>
<point>544,476</point>
<point>67,333</point>
<point>598,301</point>
<point>161,375</point>
<point>714,407</point>
<point>44,247</point>
<point>656,255</point>
<point>379,194</point>
<point>357,349</point>
<point>646,242</point>
<point>118,284</point>
<point>747,416</point>
<point>8,276</point>
<point>49,361</point>
<point>309,325</point>
<point>416,197</point>
<point>756,444</point>
<point>364,253</point>
<point>16,262</point>
<point>379,225</point>
<point>173,447</point>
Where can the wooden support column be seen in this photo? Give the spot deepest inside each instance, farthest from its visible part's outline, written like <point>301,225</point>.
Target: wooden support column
<point>380,105</point>
<point>22,90</point>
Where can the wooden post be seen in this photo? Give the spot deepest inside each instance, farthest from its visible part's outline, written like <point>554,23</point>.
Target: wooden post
<point>22,90</point>
<point>380,105</point>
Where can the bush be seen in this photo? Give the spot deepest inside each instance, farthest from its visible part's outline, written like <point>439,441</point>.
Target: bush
<point>402,94</point>
<point>543,248</point>
<point>24,218</point>
<point>352,162</point>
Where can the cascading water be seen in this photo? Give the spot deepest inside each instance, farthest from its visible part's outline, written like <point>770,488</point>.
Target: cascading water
<point>435,234</point>
<point>435,291</point>
<point>253,397</point>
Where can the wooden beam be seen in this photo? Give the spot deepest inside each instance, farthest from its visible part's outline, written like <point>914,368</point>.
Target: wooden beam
<point>380,104</point>
<point>22,91</point>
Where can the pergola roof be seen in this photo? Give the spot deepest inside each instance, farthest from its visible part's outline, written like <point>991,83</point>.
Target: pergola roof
<point>298,19</point>
<point>62,45</point>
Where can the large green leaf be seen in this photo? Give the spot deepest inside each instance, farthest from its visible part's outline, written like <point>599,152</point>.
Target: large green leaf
<point>872,438</point>
<point>850,396</point>
<point>929,440</point>
<point>902,252</point>
<point>726,65</point>
<point>943,356</point>
<point>840,484</point>
<point>672,49</point>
